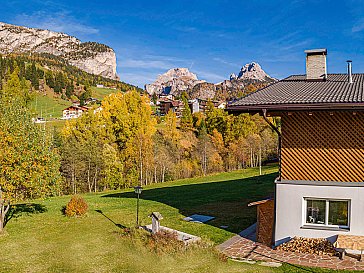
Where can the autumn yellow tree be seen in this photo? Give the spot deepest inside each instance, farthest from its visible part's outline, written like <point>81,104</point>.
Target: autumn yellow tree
<point>82,152</point>
<point>129,123</point>
<point>29,162</point>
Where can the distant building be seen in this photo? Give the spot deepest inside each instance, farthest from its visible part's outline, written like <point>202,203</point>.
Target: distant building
<point>194,106</point>
<point>39,120</point>
<point>203,104</point>
<point>91,101</point>
<point>222,105</point>
<point>175,105</point>
<point>73,112</point>
<point>97,110</point>
<point>99,85</point>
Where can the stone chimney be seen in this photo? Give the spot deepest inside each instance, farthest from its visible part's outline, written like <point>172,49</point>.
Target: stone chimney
<point>316,64</point>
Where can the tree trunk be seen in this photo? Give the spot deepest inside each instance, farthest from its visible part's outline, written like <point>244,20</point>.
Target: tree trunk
<point>88,176</point>
<point>141,163</point>
<point>95,180</point>
<point>155,173</point>
<point>163,173</point>
<point>73,179</point>
<point>4,208</point>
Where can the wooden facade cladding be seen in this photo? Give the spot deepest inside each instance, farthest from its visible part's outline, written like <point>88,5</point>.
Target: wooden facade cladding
<point>265,222</point>
<point>323,146</point>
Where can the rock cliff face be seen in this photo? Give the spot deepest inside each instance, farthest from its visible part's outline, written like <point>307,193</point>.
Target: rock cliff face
<point>253,71</point>
<point>91,57</point>
<point>178,80</point>
<point>174,82</point>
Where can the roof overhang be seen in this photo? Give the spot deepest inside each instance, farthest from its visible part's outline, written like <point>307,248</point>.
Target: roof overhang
<point>279,108</point>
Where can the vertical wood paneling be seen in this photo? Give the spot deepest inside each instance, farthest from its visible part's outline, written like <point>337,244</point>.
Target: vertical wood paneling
<point>265,223</point>
<point>323,147</point>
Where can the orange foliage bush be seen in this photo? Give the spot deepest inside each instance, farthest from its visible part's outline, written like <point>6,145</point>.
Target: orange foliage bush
<point>77,206</point>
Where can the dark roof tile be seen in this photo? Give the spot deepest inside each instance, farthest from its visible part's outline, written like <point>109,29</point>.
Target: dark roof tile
<point>296,90</point>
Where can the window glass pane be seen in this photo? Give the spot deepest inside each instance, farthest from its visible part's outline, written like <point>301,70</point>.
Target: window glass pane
<point>338,213</point>
<point>316,211</point>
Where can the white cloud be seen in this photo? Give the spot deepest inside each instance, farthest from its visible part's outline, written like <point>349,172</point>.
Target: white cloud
<point>220,60</point>
<point>209,76</point>
<point>358,27</point>
<point>148,62</point>
<point>138,78</point>
<point>60,22</point>
<point>145,64</point>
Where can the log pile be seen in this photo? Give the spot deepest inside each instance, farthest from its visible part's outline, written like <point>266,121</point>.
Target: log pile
<point>318,246</point>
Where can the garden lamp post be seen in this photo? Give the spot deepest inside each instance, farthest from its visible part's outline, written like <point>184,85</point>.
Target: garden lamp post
<point>138,191</point>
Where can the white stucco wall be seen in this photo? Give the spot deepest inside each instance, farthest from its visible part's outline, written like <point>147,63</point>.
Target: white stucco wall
<point>290,209</point>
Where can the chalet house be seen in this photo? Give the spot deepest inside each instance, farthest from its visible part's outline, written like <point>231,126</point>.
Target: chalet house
<point>166,104</point>
<point>73,112</point>
<point>320,189</point>
<point>199,105</point>
<point>203,104</point>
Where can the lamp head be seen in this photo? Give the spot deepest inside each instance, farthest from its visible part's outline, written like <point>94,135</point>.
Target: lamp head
<point>138,189</point>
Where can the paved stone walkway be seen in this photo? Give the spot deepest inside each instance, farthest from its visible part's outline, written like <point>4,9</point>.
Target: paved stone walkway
<point>239,247</point>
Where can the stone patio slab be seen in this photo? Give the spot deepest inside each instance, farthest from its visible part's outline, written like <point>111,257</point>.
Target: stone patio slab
<point>198,218</point>
<point>242,248</point>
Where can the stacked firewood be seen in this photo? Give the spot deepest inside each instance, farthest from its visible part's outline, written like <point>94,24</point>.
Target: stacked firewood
<point>318,246</point>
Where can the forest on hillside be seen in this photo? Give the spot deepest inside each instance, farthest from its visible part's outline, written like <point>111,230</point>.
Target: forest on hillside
<point>121,145</point>
<point>66,81</point>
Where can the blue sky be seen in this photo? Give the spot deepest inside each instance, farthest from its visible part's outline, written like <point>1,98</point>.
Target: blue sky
<point>213,38</point>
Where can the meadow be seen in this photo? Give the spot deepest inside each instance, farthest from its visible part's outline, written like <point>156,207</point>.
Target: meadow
<point>39,238</point>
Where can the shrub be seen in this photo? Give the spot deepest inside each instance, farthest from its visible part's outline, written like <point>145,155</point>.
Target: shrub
<point>77,206</point>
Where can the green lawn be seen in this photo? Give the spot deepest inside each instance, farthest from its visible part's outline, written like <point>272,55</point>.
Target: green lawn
<point>100,93</point>
<point>47,107</point>
<point>43,240</point>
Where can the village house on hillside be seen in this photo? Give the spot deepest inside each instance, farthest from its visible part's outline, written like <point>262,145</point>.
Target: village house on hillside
<point>165,105</point>
<point>73,112</point>
<point>196,105</point>
<point>320,188</point>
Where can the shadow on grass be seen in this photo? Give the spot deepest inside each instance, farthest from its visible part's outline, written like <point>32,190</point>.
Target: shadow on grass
<point>26,208</point>
<point>226,200</point>
<point>112,221</point>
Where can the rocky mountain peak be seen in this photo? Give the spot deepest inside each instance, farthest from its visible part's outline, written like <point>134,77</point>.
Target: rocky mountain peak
<point>174,81</point>
<point>91,57</point>
<point>178,80</point>
<point>233,76</point>
<point>177,73</point>
<point>253,71</point>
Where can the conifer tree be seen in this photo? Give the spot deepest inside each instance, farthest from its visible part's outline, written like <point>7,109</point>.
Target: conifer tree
<point>186,119</point>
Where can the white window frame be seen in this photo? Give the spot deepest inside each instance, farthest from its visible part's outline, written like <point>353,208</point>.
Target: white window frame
<point>326,225</point>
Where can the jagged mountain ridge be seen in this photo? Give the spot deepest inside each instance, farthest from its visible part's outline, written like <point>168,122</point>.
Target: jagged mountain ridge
<point>253,71</point>
<point>178,80</point>
<point>174,81</point>
<point>92,57</point>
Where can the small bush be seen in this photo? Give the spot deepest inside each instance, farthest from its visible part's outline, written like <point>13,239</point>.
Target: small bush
<point>165,242</point>
<point>77,206</point>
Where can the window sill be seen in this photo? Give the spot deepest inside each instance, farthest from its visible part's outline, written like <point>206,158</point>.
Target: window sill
<point>325,228</point>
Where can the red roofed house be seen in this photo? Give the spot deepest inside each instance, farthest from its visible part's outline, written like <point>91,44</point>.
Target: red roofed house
<point>73,112</point>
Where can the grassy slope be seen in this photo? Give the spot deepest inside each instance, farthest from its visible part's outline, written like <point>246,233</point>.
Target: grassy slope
<point>48,105</point>
<point>49,242</point>
<point>100,93</point>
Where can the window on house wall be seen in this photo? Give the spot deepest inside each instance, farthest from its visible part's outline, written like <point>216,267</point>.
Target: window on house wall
<point>327,212</point>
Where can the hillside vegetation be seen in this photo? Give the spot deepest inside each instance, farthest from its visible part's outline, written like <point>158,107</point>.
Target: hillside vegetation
<point>48,72</point>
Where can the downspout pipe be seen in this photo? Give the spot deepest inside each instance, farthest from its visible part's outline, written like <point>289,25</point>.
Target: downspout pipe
<point>279,170</point>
